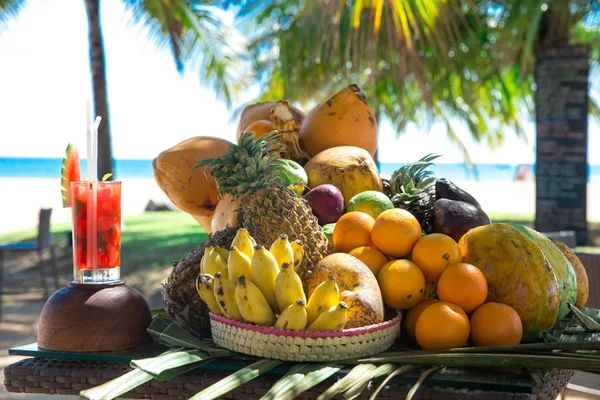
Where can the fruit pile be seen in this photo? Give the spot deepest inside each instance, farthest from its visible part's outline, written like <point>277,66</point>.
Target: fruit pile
<point>413,242</point>
<point>259,286</point>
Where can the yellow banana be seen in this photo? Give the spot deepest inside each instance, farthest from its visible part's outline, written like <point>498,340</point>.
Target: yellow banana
<point>264,273</point>
<point>292,318</point>
<point>244,242</point>
<point>213,262</point>
<point>333,319</point>
<point>298,249</point>
<point>239,264</point>
<point>288,287</point>
<point>282,250</point>
<point>225,294</point>
<point>253,305</point>
<point>205,257</point>
<point>222,252</point>
<point>325,296</point>
<point>204,286</point>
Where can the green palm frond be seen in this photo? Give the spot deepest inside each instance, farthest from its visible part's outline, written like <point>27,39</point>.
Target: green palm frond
<point>9,9</point>
<point>236,379</point>
<point>193,33</point>
<point>422,377</point>
<point>570,351</point>
<point>420,61</point>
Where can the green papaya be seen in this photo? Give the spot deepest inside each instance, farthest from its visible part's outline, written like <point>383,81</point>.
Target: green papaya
<point>565,274</point>
<point>583,284</point>
<point>517,272</point>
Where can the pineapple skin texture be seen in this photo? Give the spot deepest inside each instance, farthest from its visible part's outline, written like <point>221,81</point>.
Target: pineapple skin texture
<point>270,212</point>
<point>180,298</point>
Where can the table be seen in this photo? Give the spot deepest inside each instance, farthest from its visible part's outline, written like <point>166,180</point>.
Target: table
<point>68,377</point>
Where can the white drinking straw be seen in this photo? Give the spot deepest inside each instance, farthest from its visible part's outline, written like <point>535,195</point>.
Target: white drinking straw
<point>92,167</point>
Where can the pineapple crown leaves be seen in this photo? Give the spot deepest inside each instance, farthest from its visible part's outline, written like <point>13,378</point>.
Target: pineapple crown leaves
<point>413,178</point>
<point>248,166</point>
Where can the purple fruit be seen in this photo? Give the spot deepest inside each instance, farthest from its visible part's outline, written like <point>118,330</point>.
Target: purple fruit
<point>327,203</point>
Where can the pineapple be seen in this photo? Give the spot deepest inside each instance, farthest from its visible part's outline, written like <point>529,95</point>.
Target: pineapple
<point>412,188</point>
<point>251,171</point>
<point>180,299</point>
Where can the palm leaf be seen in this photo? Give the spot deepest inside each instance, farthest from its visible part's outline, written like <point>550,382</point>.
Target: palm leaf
<point>347,381</point>
<point>540,348</point>
<point>591,363</point>
<point>191,33</point>
<point>236,379</point>
<point>9,9</point>
<point>427,61</point>
<point>588,323</point>
<point>163,367</point>
<point>164,331</point>
<point>315,375</point>
<point>292,377</point>
<point>422,377</point>
<point>398,371</point>
<point>157,366</point>
<point>118,386</point>
<point>361,384</point>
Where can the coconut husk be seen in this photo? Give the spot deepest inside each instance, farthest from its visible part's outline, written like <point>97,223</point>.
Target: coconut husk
<point>180,298</point>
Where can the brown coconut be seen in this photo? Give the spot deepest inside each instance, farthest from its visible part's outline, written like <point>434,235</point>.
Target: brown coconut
<point>191,190</point>
<point>204,222</point>
<point>358,288</point>
<point>262,118</point>
<point>350,169</point>
<point>252,113</point>
<point>226,213</point>
<point>345,119</point>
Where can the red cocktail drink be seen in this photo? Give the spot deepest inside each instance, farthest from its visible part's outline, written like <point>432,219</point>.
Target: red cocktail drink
<point>96,241</point>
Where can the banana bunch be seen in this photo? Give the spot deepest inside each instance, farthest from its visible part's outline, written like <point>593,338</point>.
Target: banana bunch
<point>261,286</point>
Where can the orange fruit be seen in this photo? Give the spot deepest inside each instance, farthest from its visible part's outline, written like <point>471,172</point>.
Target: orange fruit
<point>464,285</point>
<point>442,325</point>
<point>373,258</point>
<point>433,253</point>
<point>402,284</point>
<point>260,128</point>
<point>411,316</point>
<point>395,232</point>
<point>496,324</point>
<point>352,230</point>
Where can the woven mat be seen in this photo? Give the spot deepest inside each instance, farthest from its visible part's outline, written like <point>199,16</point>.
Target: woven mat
<point>52,376</point>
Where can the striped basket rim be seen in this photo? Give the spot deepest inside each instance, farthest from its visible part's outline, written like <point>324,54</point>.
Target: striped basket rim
<point>268,342</point>
<point>267,330</point>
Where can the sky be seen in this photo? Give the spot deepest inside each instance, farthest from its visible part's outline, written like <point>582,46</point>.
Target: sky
<point>45,82</point>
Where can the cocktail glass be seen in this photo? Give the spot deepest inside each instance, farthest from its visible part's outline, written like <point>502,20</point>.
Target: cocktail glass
<point>96,241</point>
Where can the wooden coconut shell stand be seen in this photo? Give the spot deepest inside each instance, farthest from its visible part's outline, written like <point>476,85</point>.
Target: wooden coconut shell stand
<point>94,317</point>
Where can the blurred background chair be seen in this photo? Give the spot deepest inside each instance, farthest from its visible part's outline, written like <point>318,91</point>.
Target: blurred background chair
<point>43,242</point>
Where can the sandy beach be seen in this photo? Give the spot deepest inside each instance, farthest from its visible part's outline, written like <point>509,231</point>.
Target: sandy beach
<point>21,199</point>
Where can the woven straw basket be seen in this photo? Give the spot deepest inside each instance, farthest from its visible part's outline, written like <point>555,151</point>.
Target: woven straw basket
<point>287,345</point>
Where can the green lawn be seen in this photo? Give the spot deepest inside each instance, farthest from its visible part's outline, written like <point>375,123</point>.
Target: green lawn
<point>150,243</point>
<point>150,240</point>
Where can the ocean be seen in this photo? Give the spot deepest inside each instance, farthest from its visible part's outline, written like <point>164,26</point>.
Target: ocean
<point>142,169</point>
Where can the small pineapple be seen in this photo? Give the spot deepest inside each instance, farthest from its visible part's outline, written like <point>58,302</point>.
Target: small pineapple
<point>412,188</point>
<point>180,298</point>
<point>251,171</point>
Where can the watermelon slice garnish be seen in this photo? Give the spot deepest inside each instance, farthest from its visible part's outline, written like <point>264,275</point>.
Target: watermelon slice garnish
<point>70,172</point>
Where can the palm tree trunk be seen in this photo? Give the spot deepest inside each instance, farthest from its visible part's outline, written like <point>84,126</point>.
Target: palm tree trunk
<point>98,70</point>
